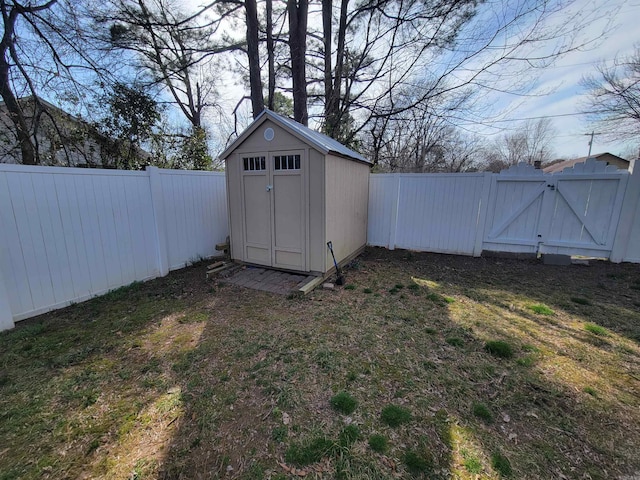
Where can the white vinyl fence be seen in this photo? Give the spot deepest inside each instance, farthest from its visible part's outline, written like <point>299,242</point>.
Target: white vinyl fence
<point>589,210</point>
<point>68,234</point>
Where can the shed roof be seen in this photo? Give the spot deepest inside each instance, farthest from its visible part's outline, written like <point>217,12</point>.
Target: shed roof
<point>319,141</point>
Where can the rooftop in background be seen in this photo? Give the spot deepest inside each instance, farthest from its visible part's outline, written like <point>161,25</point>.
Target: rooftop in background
<point>609,158</point>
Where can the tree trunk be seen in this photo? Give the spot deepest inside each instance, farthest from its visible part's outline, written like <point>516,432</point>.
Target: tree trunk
<point>271,56</point>
<point>253,54</point>
<point>13,107</point>
<point>333,80</point>
<point>297,10</point>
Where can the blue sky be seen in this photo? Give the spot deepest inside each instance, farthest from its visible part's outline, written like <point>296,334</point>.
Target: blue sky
<point>562,96</point>
<point>556,90</point>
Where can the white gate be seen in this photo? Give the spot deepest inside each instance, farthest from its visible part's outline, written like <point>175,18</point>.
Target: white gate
<point>574,212</point>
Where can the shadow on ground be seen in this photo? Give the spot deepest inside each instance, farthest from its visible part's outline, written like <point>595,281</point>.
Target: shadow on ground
<point>183,378</point>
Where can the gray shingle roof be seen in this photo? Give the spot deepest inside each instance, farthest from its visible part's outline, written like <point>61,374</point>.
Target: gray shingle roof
<point>321,142</point>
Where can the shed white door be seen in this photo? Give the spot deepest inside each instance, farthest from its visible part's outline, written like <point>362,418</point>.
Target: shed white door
<point>274,209</point>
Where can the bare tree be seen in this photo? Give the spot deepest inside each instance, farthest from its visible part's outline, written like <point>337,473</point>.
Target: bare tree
<point>253,56</point>
<point>614,97</point>
<point>528,144</point>
<point>382,48</point>
<point>42,48</point>
<point>421,140</point>
<point>173,47</point>
<point>298,15</point>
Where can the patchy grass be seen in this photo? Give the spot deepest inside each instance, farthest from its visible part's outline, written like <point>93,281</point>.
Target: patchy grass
<point>596,329</point>
<point>179,376</point>
<point>499,348</point>
<point>394,415</point>
<point>480,410</point>
<point>344,403</point>
<point>378,443</point>
<point>540,309</point>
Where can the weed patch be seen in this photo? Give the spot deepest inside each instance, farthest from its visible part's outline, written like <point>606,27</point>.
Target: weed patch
<point>378,443</point>
<point>596,329</point>
<point>306,453</point>
<point>394,415</point>
<point>501,464</point>
<point>417,463</point>
<point>480,410</point>
<point>499,348</point>
<point>540,309</point>
<point>454,341</point>
<point>343,403</point>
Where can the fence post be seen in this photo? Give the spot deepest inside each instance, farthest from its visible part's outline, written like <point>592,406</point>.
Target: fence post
<point>483,209</point>
<point>6,317</point>
<point>158,214</point>
<point>393,228</point>
<point>628,215</point>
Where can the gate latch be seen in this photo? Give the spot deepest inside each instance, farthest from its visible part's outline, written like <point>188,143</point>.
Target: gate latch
<point>551,186</point>
<point>269,188</point>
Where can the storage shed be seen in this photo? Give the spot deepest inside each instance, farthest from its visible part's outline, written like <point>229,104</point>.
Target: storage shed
<point>290,191</point>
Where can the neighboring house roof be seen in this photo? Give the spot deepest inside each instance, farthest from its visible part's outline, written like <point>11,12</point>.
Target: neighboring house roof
<point>609,158</point>
<point>95,147</point>
<point>319,141</point>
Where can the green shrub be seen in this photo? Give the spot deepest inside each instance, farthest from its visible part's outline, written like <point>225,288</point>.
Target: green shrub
<point>343,403</point>
<point>351,286</point>
<point>394,415</point>
<point>499,348</point>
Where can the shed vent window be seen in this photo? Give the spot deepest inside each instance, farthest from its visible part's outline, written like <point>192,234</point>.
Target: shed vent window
<point>254,163</point>
<point>287,162</point>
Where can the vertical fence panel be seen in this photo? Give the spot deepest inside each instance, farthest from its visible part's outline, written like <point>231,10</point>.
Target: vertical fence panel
<point>382,204</point>
<point>195,214</point>
<point>68,234</point>
<point>428,212</point>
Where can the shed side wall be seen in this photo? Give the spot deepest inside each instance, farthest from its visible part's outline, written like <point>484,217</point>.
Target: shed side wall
<point>316,179</point>
<point>347,195</point>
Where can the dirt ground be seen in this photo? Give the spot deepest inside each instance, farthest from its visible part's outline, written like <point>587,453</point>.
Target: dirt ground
<point>186,378</point>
